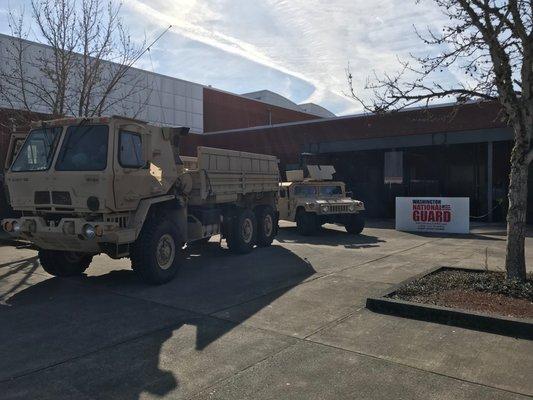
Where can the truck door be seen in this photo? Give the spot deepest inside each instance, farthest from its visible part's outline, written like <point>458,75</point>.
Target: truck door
<point>132,175</point>
<point>15,143</point>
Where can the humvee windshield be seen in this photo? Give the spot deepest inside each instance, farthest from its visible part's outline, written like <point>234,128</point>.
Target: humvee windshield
<point>305,191</point>
<point>333,190</point>
<point>84,149</point>
<point>37,151</point>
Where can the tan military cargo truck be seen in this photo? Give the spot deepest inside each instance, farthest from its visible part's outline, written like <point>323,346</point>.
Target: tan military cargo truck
<point>119,186</point>
<point>317,200</point>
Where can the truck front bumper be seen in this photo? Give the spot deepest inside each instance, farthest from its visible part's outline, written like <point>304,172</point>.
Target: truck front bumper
<point>69,234</point>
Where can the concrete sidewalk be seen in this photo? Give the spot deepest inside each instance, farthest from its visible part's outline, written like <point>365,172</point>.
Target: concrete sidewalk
<point>282,322</point>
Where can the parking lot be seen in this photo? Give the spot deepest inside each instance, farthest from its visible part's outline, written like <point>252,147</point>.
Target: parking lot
<point>286,321</point>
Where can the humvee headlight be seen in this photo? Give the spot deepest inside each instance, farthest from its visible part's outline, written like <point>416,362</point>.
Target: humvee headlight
<point>88,231</point>
<point>311,205</point>
<point>16,228</point>
<point>352,207</point>
<point>325,208</point>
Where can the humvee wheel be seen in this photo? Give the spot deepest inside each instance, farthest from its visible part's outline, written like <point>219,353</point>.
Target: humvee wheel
<point>155,255</point>
<point>243,232</point>
<point>266,226</point>
<point>355,224</point>
<point>306,223</point>
<point>64,263</point>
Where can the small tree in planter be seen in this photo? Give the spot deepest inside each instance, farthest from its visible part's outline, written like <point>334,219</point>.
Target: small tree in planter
<point>491,41</point>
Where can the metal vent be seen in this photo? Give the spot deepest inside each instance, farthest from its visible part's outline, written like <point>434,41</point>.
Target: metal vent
<point>42,198</point>
<point>62,198</point>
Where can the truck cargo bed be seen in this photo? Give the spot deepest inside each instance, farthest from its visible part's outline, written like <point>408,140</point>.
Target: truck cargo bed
<point>222,175</point>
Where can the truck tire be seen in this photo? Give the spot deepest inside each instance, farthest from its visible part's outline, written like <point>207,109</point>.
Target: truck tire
<point>306,223</point>
<point>64,263</point>
<point>156,254</point>
<point>266,226</point>
<point>243,232</point>
<point>355,224</point>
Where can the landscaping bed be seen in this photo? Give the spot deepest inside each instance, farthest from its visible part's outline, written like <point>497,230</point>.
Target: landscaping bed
<point>482,291</point>
<point>474,299</point>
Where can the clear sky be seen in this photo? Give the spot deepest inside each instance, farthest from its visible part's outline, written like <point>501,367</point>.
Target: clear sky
<point>298,48</point>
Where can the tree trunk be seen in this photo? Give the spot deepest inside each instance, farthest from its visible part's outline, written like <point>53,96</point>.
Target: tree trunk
<point>515,263</point>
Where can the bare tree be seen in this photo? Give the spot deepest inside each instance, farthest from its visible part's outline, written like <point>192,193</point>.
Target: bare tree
<point>85,70</point>
<point>491,42</point>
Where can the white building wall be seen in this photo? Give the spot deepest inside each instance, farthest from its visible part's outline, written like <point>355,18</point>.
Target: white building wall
<point>158,99</point>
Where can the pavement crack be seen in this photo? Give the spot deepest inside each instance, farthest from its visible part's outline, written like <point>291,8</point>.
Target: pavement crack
<point>389,361</point>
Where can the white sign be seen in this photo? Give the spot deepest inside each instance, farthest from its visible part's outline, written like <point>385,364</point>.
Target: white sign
<point>433,214</point>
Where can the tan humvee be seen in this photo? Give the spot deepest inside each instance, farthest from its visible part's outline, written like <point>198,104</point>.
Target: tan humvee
<point>119,186</point>
<point>314,201</point>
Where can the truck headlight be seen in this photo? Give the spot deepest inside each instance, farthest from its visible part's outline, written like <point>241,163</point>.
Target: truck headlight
<point>325,208</point>
<point>88,231</point>
<point>8,226</point>
<point>352,207</point>
<point>16,228</point>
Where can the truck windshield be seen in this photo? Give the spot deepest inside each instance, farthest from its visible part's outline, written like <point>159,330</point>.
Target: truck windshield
<point>332,190</point>
<point>84,149</point>
<point>38,150</point>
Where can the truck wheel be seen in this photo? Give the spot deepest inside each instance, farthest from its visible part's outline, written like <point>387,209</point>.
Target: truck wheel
<point>155,255</point>
<point>243,232</point>
<point>64,263</point>
<point>355,224</point>
<point>266,226</point>
<point>306,223</point>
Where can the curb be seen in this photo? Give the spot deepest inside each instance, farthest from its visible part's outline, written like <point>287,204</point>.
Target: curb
<point>507,326</point>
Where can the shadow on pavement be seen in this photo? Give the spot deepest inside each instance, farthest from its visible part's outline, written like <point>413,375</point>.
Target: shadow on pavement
<point>25,267</point>
<point>329,237</point>
<point>102,336</point>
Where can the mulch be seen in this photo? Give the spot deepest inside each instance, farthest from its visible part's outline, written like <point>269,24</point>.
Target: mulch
<point>486,291</point>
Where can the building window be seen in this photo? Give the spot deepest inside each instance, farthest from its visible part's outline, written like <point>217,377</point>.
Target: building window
<point>393,168</point>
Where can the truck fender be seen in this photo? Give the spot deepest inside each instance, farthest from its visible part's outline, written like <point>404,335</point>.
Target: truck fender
<point>139,218</point>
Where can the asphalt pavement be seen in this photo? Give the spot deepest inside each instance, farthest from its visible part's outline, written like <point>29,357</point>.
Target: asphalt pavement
<point>284,322</point>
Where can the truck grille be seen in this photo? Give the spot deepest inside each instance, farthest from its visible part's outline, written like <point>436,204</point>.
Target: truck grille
<point>42,197</point>
<point>121,220</point>
<point>62,198</point>
<point>339,208</point>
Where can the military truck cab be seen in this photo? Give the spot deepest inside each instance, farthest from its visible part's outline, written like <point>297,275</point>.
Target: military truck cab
<point>315,200</point>
<point>118,186</point>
